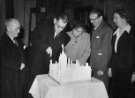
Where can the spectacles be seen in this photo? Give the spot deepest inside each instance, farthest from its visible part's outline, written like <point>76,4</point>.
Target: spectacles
<point>94,19</point>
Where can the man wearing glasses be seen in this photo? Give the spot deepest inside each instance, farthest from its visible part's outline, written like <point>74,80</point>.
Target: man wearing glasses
<point>100,45</point>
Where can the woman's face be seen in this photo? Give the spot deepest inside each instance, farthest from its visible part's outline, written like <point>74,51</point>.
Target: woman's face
<point>77,31</point>
<point>117,19</point>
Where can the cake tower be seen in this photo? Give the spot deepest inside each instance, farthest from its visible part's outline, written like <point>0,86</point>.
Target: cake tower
<point>65,71</point>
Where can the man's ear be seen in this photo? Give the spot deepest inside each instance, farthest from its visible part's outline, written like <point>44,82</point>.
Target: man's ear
<point>101,17</point>
<point>8,28</point>
<point>54,20</point>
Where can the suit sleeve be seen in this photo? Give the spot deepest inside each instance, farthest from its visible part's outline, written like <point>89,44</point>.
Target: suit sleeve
<point>107,48</point>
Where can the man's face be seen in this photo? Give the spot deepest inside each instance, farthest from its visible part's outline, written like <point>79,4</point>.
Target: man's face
<point>95,19</point>
<point>14,28</point>
<point>117,19</point>
<point>77,31</point>
<point>59,25</point>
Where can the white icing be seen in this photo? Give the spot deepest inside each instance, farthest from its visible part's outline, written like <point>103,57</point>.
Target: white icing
<point>66,71</point>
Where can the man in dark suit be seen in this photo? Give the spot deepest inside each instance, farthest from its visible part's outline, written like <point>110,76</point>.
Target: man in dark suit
<point>100,45</point>
<point>122,55</point>
<point>57,38</point>
<point>12,62</point>
<point>46,43</point>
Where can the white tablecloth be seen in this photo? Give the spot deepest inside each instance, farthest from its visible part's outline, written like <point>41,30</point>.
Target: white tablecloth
<point>45,87</point>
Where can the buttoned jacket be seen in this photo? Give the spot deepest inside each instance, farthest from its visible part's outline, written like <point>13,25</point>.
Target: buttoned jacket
<point>101,46</point>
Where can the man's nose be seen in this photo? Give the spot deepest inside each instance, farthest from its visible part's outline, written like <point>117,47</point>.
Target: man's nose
<point>92,21</point>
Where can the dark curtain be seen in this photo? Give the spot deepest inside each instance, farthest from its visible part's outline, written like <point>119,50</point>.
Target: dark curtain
<point>9,4</point>
<point>2,16</point>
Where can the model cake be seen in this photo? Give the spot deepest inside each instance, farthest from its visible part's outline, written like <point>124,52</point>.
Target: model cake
<point>65,71</point>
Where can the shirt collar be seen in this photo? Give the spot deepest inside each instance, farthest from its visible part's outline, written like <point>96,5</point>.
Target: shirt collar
<point>116,32</point>
<point>127,29</point>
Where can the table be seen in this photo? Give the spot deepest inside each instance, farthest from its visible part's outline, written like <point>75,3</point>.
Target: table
<point>45,87</point>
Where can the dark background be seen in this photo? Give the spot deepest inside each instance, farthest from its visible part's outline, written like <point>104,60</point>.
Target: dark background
<point>31,12</point>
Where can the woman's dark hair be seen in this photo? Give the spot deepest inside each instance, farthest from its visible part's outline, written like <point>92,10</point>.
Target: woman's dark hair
<point>80,25</point>
<point>123,14</point>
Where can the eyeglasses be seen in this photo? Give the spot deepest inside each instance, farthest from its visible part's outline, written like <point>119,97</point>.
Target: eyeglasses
<point>94,19</point>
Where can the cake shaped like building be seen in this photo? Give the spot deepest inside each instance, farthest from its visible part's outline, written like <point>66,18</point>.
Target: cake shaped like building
<point>65,71</point>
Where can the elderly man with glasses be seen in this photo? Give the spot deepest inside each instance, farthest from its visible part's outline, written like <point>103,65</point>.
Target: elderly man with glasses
<point>100,45</point>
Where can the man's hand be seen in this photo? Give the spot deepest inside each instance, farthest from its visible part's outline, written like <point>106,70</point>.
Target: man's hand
<point>133,77</point>
<point>22,66</point>
<point>100,73</point>
<point>49,51</point>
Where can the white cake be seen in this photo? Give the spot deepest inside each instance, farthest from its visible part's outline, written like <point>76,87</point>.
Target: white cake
<point>65,71</point>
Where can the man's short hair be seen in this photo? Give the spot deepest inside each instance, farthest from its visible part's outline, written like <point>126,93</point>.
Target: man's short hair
<point>62,16</point>
<point>8,22</point>
<point>79,24</point>
<point>97,11</point>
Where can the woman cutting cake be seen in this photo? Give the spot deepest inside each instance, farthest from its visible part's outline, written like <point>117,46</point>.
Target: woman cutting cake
<point>78,47</point>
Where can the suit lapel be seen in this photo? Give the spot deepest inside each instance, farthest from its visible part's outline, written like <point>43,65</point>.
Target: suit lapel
<point>113,41</point>
<point>123,37</point>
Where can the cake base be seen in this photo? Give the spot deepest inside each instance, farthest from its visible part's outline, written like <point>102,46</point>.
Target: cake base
<point>71,74</point>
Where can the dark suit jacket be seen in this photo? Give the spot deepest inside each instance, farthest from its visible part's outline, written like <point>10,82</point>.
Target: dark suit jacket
<point>123,59</point>
<point>101,47</point>
<point>56,44</point>
<point>133,34</point>
<point>13,80</point>
<point>11,55</point>
<point>121,64</point>
<point>42,38</point>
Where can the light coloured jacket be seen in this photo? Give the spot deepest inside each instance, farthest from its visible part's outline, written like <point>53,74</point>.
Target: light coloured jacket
<point>78,48</point>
